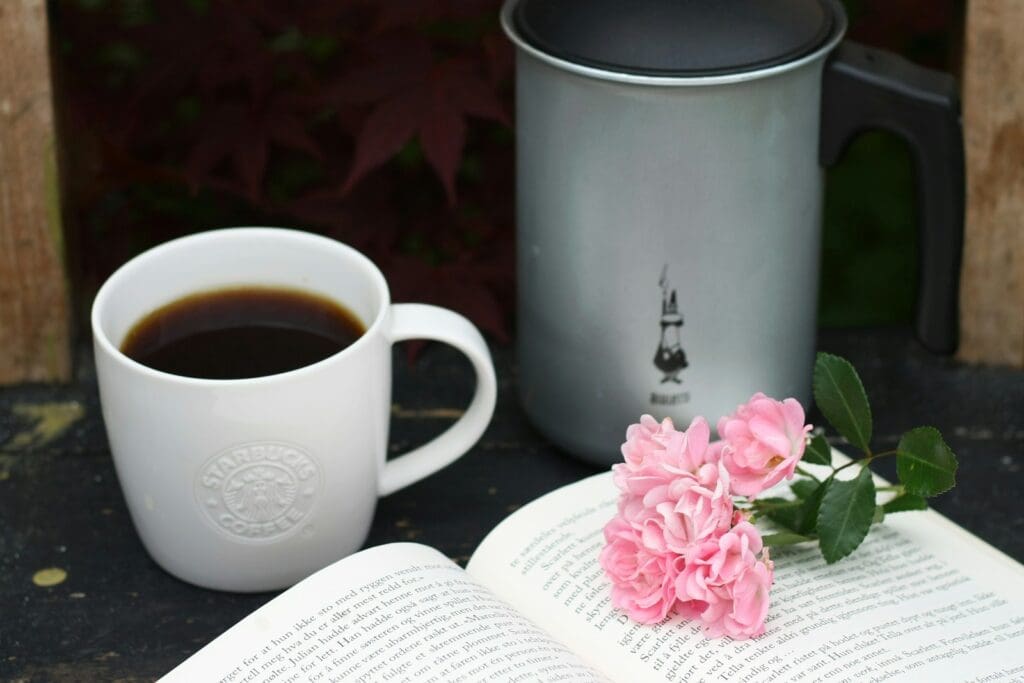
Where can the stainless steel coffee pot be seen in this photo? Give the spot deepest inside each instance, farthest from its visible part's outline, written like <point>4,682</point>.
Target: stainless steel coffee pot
<point>670,160</point>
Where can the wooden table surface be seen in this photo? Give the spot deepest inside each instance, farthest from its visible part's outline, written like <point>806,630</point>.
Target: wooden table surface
<point>117,616</point>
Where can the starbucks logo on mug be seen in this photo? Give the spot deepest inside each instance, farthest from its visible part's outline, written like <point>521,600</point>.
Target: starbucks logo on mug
<point>258,491</point>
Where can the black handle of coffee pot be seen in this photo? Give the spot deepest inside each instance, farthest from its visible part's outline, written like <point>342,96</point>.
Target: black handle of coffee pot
<point>866,88</point>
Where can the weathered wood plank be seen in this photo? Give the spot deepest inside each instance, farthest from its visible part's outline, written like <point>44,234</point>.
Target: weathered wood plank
<point>34,325</point>
<point>992,290</point>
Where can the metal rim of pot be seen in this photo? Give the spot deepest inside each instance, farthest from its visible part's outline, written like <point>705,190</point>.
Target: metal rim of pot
<point>836,35</point>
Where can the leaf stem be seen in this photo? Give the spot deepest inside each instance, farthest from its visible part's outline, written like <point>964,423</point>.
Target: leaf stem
<point>784,538</point>
<point>863,461</point>
<point>800,470</point>
<point>867,460</point>
<point>758,505</point>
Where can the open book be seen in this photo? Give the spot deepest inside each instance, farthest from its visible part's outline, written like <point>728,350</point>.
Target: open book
<point>921,599</point>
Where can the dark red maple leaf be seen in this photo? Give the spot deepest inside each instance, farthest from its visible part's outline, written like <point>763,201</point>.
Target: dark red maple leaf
<point>500,57</point>
<point>266,109</point>
<point>244,135</point>
<point>430,101</point>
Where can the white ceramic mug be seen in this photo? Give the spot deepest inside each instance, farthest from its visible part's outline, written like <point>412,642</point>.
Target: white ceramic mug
<point>311,442</point>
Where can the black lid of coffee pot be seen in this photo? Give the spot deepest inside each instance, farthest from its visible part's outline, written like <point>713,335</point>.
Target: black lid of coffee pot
<point>681,38</point>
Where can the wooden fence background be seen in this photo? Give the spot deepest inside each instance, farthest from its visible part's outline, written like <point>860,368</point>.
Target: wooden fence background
<point>34,314</point>
<point>992,290</point>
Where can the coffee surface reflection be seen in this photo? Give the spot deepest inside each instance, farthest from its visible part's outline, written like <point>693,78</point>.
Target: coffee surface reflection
<point>241,332</point>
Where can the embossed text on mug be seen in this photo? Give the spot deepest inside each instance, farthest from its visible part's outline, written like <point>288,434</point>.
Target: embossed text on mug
<point>258,491</point>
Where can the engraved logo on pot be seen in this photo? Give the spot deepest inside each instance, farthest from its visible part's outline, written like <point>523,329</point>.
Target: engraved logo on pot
<point>258,491</point>
<point>669,359</point>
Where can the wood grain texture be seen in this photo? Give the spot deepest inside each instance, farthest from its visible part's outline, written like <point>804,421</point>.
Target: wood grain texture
<point>992,290</point>
<point>34,325</point>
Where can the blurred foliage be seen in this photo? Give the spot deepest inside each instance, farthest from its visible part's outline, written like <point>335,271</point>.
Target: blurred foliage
<point>385,125</point>
<point>869,246</point>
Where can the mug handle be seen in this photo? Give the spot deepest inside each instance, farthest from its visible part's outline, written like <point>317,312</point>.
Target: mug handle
<point>868,88</point>
<point>421,321</point>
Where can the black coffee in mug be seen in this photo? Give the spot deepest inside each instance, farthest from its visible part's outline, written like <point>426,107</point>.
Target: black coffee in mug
<point>241,332</point>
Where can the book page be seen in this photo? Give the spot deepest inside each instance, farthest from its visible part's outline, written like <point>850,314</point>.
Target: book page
<point>921,599</point>
<point>399,612</point>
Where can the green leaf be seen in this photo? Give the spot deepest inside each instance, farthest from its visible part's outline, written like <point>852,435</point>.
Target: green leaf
<point>801,516</point>
<point>783,512</point>
<point>907,501</point>
<point>879,515</point>
<point>784,538</point>
<point>841,399</point>
<point>818,452</point>
<point>779,510</point>
<point>845,515</point>
<point>808,520</point>
<point>802,488</point>
<point>924,462</point>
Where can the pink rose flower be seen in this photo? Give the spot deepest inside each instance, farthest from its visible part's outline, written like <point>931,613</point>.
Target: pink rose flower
<point>655,453</point>
<point>725,574</point>
<point>762,442</point>
<point>741,607</point>
<point>644,438</point>
<point>690,452</point>
<point>678,543</point>
<point>682,512</point>
<point>643,582</point>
